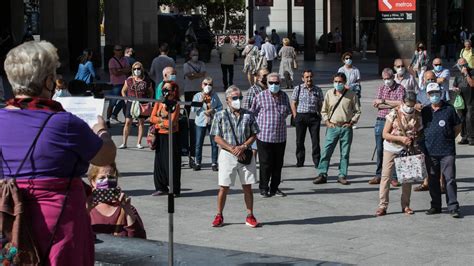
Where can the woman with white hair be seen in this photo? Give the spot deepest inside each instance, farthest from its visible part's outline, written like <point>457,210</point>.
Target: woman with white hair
<point>287,55</point>
<point>48,159</point>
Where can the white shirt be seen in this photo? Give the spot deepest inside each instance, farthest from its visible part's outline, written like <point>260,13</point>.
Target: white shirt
<point>269,50</point>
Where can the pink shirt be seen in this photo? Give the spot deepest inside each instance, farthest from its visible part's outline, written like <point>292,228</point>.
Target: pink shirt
<point>114,63</point>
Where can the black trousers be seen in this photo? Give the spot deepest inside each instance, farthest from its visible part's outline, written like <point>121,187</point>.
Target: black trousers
<point>269,65</point>
<point>188,97</point>
<point>161,169</point>
<point>271,161</point>
<point>442,165</point>
<point>304,121</point>
<point>467,118</point>
<point>227,75</point>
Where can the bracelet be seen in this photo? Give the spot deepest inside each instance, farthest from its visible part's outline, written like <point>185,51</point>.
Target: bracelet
<point>101,131</point>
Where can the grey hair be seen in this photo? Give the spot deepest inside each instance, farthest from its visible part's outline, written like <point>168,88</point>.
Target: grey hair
<point>387,71</point>
<point>208,79</point>
<point>410,96</point>
<point>166,69</point>
<point>273,74</point>
<point>230,90</point>
<point>28,66</point>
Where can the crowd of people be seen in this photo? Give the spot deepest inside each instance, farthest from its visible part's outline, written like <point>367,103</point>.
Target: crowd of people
<point>419,117</point>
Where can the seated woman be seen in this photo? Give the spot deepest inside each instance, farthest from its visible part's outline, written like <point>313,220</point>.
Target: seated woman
<point>112,211</point>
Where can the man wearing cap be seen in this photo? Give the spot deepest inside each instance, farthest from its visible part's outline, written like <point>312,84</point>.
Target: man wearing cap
<point>441,126</point>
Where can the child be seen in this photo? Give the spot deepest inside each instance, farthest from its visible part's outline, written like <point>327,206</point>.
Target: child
<point>61,89</point>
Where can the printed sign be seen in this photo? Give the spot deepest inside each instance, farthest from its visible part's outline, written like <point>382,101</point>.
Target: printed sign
<point>397,5</point>
<point>397,16</point>
<point>263,2</point>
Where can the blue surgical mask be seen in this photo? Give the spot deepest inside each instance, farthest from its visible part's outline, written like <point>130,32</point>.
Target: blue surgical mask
<point>172,78</point>
<point>435,98</point>
<point>438,68</point>
<point>274,88</point>
<point>348,61</point>
<point>338,86</point>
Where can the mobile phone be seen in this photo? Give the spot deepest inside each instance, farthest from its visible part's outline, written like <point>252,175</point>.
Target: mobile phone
<point>106,195</point>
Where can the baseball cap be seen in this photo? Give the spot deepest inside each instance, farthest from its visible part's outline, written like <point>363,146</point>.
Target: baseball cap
<point>432,87</point>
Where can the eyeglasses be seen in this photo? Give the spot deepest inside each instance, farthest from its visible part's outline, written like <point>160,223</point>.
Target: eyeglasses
<point>234,98</point>
<point>137,68</point>
<point>207,84</point>
<point>430,80</point>
<point>274,82</point>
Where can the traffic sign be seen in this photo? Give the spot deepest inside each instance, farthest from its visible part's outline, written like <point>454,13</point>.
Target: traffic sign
<point>397,5</point>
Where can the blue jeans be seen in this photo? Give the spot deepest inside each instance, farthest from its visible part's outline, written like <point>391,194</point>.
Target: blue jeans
<point>378,128</point>
<point>200,134</point>
<point>116,105</point>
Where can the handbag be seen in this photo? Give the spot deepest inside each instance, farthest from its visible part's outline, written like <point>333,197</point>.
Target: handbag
<point>410,165</point>
<point>151,138</point>
<point>459,103</point>
<point>18,246</point>
<point>248,152</point>
<point>138,109</point>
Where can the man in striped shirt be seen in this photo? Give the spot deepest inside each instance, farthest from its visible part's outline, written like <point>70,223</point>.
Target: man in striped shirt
<point>271,107</point>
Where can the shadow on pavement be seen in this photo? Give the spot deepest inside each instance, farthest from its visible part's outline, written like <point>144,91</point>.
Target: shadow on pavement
<point>125,174</point>
<point>322,220</point>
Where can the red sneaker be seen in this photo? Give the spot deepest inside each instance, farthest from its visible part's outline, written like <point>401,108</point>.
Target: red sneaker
<point>218,221</point>
<point>251,221</point>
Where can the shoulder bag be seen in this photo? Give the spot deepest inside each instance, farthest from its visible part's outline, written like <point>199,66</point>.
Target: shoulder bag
<point>138,109</point>
<point>248,152</point>
<point>337,104</point>
<point>409,164</point>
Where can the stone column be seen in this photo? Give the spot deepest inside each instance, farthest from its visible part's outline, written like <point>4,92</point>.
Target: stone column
<point>54,27</point>
<point>289,18</point>
<point>309,30</point>
<point>347,15</point>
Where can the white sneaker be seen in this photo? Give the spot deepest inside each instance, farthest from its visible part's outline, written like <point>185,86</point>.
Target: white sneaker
<point>139,146</point>
<point>354,127</point>
<point>123,146</point>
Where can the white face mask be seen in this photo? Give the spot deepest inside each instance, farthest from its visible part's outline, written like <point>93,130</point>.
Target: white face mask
<point>207,89</point>
<point>407,109</point>
<point>194,58</point>
<point>400,71</point>
<point>235,104</point>
<point>388,82</point>
<point>137,72</point>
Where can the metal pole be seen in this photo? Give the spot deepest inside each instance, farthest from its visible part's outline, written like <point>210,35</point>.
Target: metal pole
<point>171,187</point>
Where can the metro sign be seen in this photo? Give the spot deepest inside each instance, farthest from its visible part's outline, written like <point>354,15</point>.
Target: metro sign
<point>397,5</point>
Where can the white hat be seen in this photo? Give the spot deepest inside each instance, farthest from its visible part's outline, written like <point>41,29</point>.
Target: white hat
<point>432,87</point>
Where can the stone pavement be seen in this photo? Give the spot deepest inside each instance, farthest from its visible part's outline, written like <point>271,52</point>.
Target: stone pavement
<point>327,222</point>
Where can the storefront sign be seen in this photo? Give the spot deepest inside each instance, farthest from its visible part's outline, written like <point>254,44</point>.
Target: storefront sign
<point>397,16</point>
<point>263,2</point>
<point>397,5</point>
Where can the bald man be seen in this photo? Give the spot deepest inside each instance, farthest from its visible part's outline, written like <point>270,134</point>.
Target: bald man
<point>403,77</point>
<point>169,74</point>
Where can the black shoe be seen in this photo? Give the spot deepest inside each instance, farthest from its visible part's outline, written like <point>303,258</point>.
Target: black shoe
<point>107,123</point>
<point>215,168</point>
<point>197,167</point>
<point>299,164</point>
<point>321,179</point>
<point>264,193</point>
<point>191,163</point>
<point>433,211</point>
<point>463,142</point>
<point>280,193</point>
<point>455,213</point>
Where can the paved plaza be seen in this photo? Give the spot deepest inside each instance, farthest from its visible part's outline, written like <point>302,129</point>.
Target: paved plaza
<point>329,222</point>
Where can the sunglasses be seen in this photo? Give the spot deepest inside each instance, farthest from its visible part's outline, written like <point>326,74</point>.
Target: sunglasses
<point>274,82</point>
<point>436,64</point>
<point>207,84</point>
<point>137,68</point>
<point>234,98</point>
<point>347,58</point>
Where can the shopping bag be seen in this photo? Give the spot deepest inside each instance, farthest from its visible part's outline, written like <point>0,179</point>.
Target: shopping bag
<point>411,168</point>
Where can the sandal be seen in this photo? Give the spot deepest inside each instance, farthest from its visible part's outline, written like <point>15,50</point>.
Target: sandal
<point>408,211</point>
<point>380,212</point>
<point>421,187</point>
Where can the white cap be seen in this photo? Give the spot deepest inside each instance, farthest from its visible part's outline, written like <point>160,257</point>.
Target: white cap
<point>432,87</point>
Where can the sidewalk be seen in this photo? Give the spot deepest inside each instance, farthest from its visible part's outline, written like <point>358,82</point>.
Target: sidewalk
<point>327,222</point>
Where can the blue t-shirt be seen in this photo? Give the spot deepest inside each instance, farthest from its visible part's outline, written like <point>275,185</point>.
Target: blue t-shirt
<point>439,138</point>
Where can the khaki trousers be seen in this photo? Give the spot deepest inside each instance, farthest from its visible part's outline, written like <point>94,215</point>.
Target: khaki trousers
<point>387,168</point>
